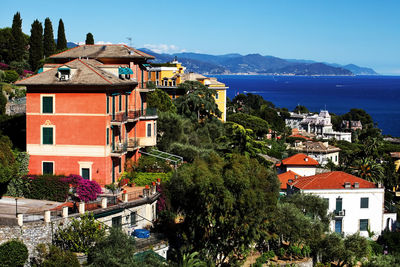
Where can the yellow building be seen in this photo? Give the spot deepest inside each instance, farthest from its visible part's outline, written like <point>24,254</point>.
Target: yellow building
<point>168,76</point>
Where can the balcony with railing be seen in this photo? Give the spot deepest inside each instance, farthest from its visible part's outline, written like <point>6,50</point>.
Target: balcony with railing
<point>119,148</point>
<point>133,115</point>
<point>133,144</point>
<point>339,213</point>
<point>148,114</point>
<point>118,118</point>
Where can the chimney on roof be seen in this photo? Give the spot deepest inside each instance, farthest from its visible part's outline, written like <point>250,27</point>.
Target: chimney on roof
<point>347,185</point>
<point>356,185</point>
<point>296,176</point>
<point>305,159</point>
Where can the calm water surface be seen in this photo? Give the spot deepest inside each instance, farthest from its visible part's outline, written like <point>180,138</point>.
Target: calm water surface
<point>378,95</point>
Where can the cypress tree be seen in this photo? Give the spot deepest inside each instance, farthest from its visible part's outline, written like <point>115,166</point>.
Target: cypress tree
<point>61,40</point>
<point>36,44</point>
<point>17,40</point>
<point>89,39</point>
<point>49,46</point>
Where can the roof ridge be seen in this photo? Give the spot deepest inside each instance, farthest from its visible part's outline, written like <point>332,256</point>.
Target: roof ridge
<point>65,51</point>
<point>94,70</point>
<point>44,71</point>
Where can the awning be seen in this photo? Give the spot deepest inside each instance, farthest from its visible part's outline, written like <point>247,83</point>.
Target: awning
<point>63,68</point>
<point>124,71</point>
<point>40,70</point>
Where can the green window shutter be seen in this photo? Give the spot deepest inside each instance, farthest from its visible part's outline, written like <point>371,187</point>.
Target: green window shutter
<point>117,222</point>
<point>126,104</point>
<point>108,135</point>
<point>108,104</point>
<point>48,168</point>
<point>364,203</point>
<point>339,204</point>
<point>363,224</point>
<point>85,173</point>
<point>47,104</point>
<point>149,130</point>
<point>120,102</point>
<point>47,136</point>
<point>133,218</point>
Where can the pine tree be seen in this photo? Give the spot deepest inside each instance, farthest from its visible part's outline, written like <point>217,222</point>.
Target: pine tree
<point>89,39</point>
<point>36,44</point>
<point>17,40</point>
<point>61,40</point>
<point>49,46</point>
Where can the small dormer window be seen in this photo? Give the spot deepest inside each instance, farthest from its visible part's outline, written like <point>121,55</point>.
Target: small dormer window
<point>125,73</point>
<point>64,73</point>
<point>347,185</point>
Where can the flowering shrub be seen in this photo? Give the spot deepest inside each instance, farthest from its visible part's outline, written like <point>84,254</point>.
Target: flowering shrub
<point>27,73</point>
<point>3,66</point>
<point>88,190</point>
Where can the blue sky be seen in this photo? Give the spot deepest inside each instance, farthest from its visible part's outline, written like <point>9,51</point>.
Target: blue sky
<point>363,32</point>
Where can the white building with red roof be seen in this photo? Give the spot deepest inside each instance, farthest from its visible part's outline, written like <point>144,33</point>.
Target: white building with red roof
<point>301,164</point>
<point>358,205</point>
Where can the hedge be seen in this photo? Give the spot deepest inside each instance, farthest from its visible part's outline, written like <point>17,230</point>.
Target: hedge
<point>13,253</point>
<point>47,187</point>
<point>146,178</point>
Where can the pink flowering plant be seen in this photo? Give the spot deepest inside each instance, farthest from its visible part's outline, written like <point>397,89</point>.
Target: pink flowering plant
<point>86,190</point>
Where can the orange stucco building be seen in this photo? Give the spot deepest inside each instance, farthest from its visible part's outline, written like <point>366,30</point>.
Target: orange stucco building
<point>86,114</point>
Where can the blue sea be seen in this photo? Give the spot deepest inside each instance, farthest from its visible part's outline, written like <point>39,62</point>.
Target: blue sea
<point>378,95</point>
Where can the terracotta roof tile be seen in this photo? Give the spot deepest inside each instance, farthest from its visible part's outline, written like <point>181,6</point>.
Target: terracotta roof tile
<point>85,73</point>
<point>331,180</point>
<point>102,51</point>
<point>286,176</point>
<point>300,159</point>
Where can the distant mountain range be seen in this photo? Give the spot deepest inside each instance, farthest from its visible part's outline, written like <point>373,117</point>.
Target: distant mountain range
<point>254,64</point>
<point>257,64</point>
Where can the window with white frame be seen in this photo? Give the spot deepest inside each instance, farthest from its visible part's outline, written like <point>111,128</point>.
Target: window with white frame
<point>47,104</point>
<point>47,135</point>
<point>85,169</point>
<point>148,130</point>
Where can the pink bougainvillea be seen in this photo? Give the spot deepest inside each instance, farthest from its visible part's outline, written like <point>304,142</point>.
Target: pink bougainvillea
<point>86,190</point>
<point>3,66</point>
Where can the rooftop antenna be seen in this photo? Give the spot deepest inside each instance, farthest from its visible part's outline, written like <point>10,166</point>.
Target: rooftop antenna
<point>130,41</point>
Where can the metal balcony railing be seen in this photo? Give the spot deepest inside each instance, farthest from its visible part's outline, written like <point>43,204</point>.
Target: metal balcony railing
<point>339,213</point>
<point>119,117</point>
<point>133,143</point>
<point>133,114</point>
<point>149,112</point>
<point>119,147</point>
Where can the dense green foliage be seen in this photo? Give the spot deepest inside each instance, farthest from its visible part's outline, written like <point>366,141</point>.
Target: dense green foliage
<point>11,76</point>
<point>117,249</point>
<point>49,45</point>
<point>225,205</point>
<point>89,39</point>
<point>17,41</point>
<point>53,256</point>
<point>47,187</point>
<point>61,40</point>
<point>259,126</point>
<point>301,109</point>
<point>160,100</point>
<point>3,102</point>
<point>36,44</point>
<point>13,253</point>
<point>146,178</point>
<point>5,45</point>
<point>198,103</point>
<point>80,235</point>
<point>345,251</point>
<point>8,166</point>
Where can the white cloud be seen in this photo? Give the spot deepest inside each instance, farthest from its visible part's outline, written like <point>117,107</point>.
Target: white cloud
<point>164,48</point>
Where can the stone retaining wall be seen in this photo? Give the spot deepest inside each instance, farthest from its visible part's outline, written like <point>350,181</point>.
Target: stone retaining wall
<point>31,234</point>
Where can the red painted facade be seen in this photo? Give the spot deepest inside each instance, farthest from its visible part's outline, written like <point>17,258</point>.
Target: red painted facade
<point>80,123</point>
